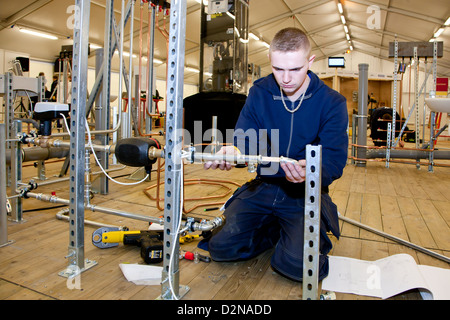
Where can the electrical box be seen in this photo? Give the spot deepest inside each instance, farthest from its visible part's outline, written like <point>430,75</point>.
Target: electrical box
<point>218,6</point>
<point>424,49</point>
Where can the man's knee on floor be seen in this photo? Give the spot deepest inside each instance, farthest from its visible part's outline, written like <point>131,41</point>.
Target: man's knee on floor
<point>219,250</point>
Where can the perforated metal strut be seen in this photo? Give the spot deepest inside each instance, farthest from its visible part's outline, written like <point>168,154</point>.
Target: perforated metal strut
<point>173,163</point>
<point>312,222</point>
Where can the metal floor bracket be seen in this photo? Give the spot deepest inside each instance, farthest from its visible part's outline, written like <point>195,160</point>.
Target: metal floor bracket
<point>73,270</point>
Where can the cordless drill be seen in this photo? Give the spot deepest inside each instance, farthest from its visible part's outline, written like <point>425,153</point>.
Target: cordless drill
<point>151,243</point>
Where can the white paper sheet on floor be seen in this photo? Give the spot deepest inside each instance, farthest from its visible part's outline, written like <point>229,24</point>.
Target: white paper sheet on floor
<point>386,277</point>
<point>141,274</point>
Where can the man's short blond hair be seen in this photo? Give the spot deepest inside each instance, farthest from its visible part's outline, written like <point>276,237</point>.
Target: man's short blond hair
<point>290,39</point>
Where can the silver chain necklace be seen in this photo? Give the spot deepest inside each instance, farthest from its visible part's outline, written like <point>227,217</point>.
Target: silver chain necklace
<point>284,103</point>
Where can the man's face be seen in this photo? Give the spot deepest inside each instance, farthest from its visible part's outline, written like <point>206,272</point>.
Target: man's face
<point>290,70</point>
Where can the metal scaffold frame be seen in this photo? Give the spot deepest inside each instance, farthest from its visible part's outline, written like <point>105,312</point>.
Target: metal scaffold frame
<point>173,153</point>
<point>361,152</point>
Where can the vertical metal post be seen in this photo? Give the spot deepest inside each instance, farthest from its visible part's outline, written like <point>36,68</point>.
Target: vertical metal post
<point>432,119</point>
<point>424,113</point>
<point>77,142</point>
<point>394,101</point>
<point>388,144</point>
<point>354,122</point>
<point>3,214</point>
<point>170,288</point>
<point>363,84</point>
<point>122,115</point>
<point>16,173</point>
<point>9,115</point>
<point>416,102</point>
<point>311,243</point>
<point>103,113</point>
<point>150,71</point>
<point>130,76</point>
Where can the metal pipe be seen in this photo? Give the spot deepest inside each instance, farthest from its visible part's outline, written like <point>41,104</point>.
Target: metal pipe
<point>237,158</point>
<point>362,112</point>
<point>63,215</point>
<point>47,182</point>
<point>94,208</point>
<point>206,225</point>
<point>407,154</point>
<point>42,141</point>
<point>214,133</point>
<point>393,238</point>
<point>37,153</point>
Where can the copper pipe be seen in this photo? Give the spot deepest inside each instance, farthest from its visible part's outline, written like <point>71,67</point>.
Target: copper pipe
<point>166,35</point>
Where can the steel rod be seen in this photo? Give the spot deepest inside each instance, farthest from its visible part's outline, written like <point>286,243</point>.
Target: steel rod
<point>396,239</point>
<point>95,208</point>
<point>238,158</point>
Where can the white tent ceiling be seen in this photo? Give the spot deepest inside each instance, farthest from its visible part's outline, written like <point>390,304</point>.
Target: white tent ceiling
<point>408,20</point>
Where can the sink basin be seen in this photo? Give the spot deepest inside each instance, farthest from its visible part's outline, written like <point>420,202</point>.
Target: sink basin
<point>438,104</point>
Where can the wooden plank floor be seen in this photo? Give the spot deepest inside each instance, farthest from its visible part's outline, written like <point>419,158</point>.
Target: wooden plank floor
<point>401,200</point>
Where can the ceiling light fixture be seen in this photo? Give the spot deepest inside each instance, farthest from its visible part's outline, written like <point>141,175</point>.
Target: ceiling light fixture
<point>447,22</point>
<point>38,34</point>
<point>205,2</point>
<point>192,69</point>
<point>341,10</point>
<point>341,13</point>
<point>253,36</point>
<point>125,54</point>
<point>438,33</point>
